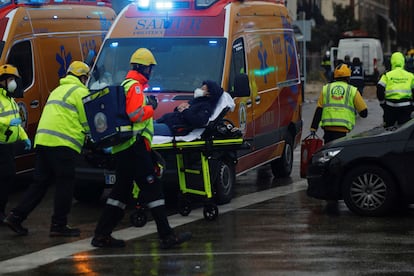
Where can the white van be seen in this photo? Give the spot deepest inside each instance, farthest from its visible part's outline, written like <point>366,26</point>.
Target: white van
<point>369,51</point>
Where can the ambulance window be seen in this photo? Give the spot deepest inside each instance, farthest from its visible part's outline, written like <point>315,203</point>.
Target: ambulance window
<point>21,57</point>
<point>4,2</point>
<point>238,63</point>
<point>292,70</point>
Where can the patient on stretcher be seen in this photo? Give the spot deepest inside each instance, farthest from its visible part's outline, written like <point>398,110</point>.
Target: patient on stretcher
<point>191,115</point>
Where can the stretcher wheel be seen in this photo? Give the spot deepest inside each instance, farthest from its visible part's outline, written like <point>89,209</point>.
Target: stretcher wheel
<point>138,218</point>
<point>184,207</point>
<point>210,211</point>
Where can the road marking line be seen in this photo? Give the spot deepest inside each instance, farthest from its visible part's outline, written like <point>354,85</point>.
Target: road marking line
<point>175,254</point>
<point>51,254</point>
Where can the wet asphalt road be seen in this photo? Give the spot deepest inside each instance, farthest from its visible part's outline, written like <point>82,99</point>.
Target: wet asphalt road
<point>270,228</point>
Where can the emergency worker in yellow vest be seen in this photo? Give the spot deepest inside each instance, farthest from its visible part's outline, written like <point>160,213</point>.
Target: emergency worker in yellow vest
<point>134,163</point>
<point>336,112</point>
<point>337,105</point>
<point>326,64</point>
<point>59,138</point>
<point>11,131</point>
<point>395,92</point>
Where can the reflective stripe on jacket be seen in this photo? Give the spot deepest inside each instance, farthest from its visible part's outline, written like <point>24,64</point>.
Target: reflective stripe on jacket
<point>338,105</point>
<point>8,111</point>
<point>398,84</point>
<point>63,121</point>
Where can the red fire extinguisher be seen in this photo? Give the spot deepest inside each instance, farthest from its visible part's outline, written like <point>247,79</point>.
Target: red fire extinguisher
<point>309,146</point>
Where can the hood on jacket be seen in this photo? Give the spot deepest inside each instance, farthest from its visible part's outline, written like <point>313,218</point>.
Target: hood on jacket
<point>397,60</point>
<point>214,90</point>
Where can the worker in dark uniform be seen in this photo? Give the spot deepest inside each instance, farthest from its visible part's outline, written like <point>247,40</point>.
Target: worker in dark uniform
<point>357,75</point>
<point>134,163</point>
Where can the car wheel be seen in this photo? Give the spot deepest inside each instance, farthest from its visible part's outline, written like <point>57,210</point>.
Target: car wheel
<point>282,167</point>
<point>224,183</point>
<point>369,190</point>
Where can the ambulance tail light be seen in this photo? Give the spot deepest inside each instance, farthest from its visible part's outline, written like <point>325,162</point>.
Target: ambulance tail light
<point>204,4</point>
<point>375,64</point>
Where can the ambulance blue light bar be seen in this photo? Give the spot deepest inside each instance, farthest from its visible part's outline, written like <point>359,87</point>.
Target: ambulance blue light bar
<point>162,4</point>
<point>34,2</point>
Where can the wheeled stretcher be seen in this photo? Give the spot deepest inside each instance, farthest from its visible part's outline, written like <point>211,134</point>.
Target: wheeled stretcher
<point>196,157</point>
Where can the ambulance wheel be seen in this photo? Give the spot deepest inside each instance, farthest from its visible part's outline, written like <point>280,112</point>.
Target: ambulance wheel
<point>184,207</point>
<point>138,218</point>
<point>224,183</point>
<point>282,167</point>
<point>210,211</point>
<point>88,192</point>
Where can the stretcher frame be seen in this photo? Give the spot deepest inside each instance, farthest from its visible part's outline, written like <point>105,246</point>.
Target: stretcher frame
<point>207,143</point>
<point>206,149</point>
<point>207,146</point>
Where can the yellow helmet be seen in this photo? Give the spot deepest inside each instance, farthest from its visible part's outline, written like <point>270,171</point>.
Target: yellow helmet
<point>8,69</point>
<point>143,56</point>
<point>78,68</point>
<point>342,71</point>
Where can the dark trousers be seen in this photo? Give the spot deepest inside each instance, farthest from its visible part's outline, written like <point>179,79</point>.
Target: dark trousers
<point>7,172</point>
<point>134,163</point>
<point>328,136</point>
<point>53,165</point>
<point>399,115</point>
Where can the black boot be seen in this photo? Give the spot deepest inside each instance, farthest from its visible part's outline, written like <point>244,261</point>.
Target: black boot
<point>107,241</point>
<point>14,222</point>
<point>160,217</point>
<point>109,219</point>
<point>168,238</point>
<point>63,231</point>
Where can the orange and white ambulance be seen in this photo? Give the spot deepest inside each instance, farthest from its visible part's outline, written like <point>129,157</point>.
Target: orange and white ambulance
<point>41,38</point>
<point>246,46</point>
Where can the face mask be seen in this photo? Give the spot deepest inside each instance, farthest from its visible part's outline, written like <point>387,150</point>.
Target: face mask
<point>11,86</point>
<point>198,92</point>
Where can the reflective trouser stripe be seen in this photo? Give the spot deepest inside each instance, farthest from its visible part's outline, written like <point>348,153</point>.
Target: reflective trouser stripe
<point>156,203</point>
<point>116,203</point>
<point>398,104</point>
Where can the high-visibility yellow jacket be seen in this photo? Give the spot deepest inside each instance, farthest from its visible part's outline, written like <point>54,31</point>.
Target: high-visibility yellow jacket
<point>8,111</point>
<point>63,121</point>
<point>338,101</point>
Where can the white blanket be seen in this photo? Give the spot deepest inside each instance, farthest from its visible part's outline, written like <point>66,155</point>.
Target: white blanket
<point>225,101</point>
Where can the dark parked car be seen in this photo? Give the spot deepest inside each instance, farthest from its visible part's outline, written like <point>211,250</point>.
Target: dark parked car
<point>373,171</point>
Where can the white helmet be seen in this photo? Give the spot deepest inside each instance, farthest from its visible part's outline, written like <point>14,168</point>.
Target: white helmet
<point>328,53</point>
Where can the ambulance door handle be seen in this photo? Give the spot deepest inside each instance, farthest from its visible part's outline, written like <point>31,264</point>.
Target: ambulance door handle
<point>34,104</point>
<point>249,103</point>
<point>257,99</point>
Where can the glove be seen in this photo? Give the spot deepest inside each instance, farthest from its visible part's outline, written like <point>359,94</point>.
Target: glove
<point>107,150</point>
<point>27,144</point>
<point>152,100</point>
<point>15,121</point>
